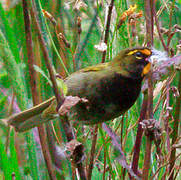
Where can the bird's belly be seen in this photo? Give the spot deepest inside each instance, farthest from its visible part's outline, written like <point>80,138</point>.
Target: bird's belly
<point>106,103</point>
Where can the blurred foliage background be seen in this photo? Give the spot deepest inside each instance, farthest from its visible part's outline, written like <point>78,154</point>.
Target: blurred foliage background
<point>76,42</point>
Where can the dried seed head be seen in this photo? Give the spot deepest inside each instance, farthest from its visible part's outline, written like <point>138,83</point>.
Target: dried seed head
<point>62,37</point>
<point>135,16</point>
<point>126,14</point>
<point>79,20</point>
<point>50,17</point>
<point>175,91</point>
<point>79,4</point>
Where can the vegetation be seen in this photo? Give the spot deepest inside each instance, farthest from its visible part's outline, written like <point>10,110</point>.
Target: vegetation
<point>40,39</point>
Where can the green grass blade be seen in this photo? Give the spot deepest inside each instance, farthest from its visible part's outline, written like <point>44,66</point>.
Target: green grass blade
<point>5,165</point>
<point>13,157</point>
<point>13,71</point>
<point>32,154</point>
<point>9,34</point>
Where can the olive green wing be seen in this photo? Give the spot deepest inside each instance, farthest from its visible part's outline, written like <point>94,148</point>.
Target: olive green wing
<point>84,82</point>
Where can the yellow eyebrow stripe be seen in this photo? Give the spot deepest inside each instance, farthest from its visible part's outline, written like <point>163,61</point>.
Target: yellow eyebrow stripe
<point>132,52</point>
<point>147,52</point>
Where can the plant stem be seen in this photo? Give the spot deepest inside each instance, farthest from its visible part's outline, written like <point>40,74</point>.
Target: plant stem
<point>149,21</point>
<point>170,24</point>
<point>150,13</point>
<point>146,166</point>
<point>175,128</point>
<point>33,83</point>
<point>159,33</point>
<point>139,135</point>
<point>91,163</point>
<point>107,28</point>
<point>86,39</point>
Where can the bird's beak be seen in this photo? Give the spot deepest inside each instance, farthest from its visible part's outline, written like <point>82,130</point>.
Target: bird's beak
<point>156,58</point>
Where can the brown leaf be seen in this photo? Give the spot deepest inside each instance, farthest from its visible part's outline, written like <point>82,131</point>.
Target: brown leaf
<point>69,102</point>
<point>75,150</point>
<point>152,128</point>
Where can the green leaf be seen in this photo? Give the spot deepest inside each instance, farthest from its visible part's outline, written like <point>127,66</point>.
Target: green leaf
<point>38,69</point>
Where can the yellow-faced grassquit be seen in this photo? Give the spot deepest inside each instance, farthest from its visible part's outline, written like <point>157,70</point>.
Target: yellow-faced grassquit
<point>111,89</point>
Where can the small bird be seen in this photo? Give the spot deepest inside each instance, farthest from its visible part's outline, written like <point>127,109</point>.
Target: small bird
<point>111,88</point>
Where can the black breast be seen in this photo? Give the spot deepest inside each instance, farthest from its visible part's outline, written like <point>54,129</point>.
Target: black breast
<point>121,91</point>
<point>111,98</point>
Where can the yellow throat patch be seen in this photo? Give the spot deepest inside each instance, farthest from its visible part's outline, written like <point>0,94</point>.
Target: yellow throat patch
<point>146,69</point>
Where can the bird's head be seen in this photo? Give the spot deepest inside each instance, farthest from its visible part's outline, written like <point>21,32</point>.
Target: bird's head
<point>133,62</point>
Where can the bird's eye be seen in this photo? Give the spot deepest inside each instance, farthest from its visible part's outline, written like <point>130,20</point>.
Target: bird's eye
<point>139,55</point>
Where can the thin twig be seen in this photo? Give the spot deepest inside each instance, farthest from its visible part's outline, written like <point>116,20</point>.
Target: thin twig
<point>91,163</point>
<point>158,169</point>
<point>107,28</point>
<point>166,120</point>
<point>170,24</point>
<point>149,22</point>
<point>86,39</point>
<point>104,171</point>
<point>175,128</point>
<point>177,171</point>
<point>59,97</point>
<point>159,33</point>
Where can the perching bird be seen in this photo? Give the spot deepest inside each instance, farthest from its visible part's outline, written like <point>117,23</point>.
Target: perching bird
<point>111,89</point>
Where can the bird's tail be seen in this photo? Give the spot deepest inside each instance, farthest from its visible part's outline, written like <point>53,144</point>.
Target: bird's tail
<point>32,117</point>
